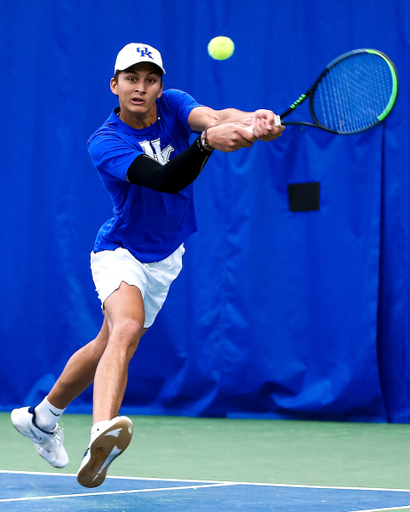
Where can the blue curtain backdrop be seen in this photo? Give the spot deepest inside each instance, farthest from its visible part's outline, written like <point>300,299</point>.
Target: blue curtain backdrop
<point>277,314</point>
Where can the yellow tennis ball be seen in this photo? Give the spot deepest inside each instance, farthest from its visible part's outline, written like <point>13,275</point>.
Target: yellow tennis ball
<point>221,48</point>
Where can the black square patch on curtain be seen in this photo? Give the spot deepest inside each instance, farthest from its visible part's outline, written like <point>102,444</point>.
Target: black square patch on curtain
<point>304,197</point>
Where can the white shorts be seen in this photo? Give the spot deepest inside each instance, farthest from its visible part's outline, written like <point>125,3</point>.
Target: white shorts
<point>111,268</point>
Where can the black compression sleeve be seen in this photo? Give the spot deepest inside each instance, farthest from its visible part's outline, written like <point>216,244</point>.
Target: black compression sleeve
<point>175,175</point>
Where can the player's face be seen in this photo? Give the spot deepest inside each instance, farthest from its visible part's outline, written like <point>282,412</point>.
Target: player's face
<point>137,89</point>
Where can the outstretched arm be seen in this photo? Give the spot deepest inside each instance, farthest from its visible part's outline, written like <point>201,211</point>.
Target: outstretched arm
<point>224,130</point>
<point>184,168</point>
<point>262,121</point>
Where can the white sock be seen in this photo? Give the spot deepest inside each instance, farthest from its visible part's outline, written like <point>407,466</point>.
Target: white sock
<point>47,415</point>
<point>97,428</point>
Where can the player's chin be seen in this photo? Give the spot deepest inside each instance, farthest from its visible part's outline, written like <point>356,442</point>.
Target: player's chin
<point>137,107</point>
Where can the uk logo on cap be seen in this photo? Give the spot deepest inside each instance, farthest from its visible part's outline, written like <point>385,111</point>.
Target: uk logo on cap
<point>133,53</point>
<point>145,52</point>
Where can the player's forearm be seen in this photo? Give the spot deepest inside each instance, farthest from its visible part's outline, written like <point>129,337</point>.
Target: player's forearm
<point>205,117</point>
<point>233,115</point>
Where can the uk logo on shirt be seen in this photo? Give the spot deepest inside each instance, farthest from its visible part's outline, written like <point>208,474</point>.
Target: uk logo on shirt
<point>153,150</point>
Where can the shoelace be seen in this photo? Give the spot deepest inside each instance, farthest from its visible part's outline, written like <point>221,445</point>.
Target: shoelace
<point>59,435</point>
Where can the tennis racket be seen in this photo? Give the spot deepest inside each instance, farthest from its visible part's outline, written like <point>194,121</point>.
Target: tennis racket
<point>354,93</point>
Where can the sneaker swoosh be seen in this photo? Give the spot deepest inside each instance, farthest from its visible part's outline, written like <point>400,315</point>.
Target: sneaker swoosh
<point>35,436</point>
<point>114,452</point>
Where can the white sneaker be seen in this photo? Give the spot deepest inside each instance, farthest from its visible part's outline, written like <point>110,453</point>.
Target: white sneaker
<point>106,447</point>
<point>48,444</point>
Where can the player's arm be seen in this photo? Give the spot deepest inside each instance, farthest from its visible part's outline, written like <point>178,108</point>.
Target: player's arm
<point>175,175</point>
<point>262,121</point>
<point>184,168</point>
<point>205,117</point>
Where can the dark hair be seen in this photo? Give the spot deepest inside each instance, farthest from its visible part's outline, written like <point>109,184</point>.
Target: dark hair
<point>160,73</point>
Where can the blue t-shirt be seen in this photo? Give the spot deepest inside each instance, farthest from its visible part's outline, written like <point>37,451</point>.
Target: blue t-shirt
<point>150,224</point>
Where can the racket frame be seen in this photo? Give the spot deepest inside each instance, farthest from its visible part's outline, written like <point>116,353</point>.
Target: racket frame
<point>310,94</point>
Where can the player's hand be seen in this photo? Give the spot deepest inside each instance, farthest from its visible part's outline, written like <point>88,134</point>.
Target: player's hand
<point>229,137</point>
<point>263,125</point>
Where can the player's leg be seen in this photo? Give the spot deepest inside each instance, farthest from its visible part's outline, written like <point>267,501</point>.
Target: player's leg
<point>128,309</point>
<point>79,372</point>
<point>111,434</point>
<point>132,293</point>
<point>40,423</point>
<point>124,312</point>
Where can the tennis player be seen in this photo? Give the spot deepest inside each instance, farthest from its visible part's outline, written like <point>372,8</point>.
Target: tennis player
<point>143,156</point>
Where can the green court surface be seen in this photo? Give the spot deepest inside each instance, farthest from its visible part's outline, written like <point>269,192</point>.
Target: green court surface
<point>304,453</point>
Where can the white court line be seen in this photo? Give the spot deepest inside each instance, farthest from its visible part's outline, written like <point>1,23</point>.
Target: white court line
<point>135,491</point>
<point>222,482</point>
<point>382,509</point>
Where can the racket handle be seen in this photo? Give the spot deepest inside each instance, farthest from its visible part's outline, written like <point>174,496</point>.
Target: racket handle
<point>277,123</point>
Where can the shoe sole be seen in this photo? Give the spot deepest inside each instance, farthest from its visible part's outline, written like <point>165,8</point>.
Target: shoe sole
<point>106,447</point>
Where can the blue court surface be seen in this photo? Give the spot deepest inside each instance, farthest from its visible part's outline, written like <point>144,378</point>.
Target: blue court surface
<point>20,491</point>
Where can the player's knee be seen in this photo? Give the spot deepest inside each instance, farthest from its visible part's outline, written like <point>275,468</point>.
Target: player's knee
<point>127,332</point>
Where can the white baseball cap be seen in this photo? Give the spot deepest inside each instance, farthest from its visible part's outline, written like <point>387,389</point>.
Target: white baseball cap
<point>133,53</point>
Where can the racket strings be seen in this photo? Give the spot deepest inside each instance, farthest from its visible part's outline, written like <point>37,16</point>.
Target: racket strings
<point>353,94</point>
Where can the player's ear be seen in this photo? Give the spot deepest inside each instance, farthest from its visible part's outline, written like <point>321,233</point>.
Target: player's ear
<point>113,86</point>
<point>160,91</point>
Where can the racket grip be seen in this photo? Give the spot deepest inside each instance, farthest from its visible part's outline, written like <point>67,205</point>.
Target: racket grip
<point>278,122</point>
